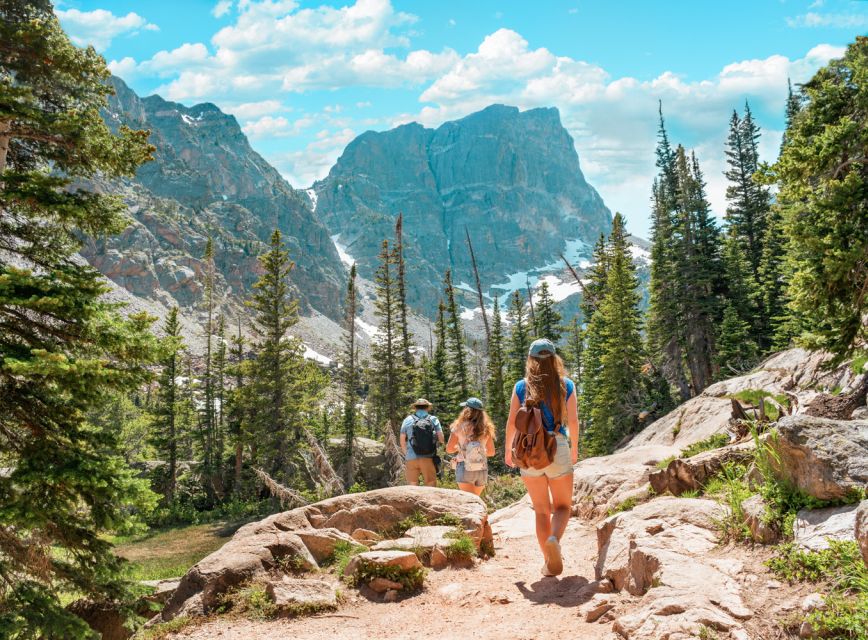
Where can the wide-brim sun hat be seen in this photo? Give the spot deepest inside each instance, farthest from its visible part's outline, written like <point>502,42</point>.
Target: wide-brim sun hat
<point>421,402</point>
<point>473,403</point>
<point>542,348</point>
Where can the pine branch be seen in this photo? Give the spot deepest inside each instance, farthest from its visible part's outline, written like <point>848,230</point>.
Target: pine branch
<point>288,497</point>
<point>321,469</point>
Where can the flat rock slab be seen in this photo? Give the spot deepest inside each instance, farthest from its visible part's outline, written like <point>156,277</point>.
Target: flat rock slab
<point>405,560</point>
<point>813,527</point>
<point>419,538</point>
<point>293,594</point>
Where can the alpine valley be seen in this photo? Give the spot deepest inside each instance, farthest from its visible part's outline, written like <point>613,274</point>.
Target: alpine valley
<point>509,180</point>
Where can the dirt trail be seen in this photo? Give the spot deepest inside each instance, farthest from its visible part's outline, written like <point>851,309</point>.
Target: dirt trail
<point>503,598</point>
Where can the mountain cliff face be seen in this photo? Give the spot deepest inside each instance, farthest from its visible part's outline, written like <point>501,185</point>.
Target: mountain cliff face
<point>511,178</point>
<point>207,180</point>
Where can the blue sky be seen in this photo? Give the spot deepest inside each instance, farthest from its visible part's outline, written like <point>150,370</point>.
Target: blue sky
<point>304,78</point>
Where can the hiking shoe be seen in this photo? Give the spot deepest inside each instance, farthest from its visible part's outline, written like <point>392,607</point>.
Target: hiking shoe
<point>545,570</point>
<point>554,561</point>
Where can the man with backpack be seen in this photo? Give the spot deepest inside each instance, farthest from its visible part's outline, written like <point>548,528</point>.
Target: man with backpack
<point>420,434</point>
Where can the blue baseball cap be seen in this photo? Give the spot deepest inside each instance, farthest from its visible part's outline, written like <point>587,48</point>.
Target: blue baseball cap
<point>473,403</point>
<point>542,348</point>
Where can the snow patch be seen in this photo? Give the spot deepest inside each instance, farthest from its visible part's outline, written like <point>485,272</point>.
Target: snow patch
<point>310,354</point>
<point>313,199</point>
<point>639,253</point>
<point>187,119</point>
<point>345,257</point>
<point>469,314</point>
<point>559,289</point>
<point>369,329</point>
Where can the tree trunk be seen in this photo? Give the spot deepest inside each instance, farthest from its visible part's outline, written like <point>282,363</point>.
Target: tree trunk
<point>5,126</point>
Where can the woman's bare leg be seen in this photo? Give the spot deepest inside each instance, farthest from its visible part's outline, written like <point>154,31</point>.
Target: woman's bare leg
<point>562,503</point>
<point>538,489</point>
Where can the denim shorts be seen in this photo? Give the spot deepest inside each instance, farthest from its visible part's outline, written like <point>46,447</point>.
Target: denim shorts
<point>476,478</point>
<point>562,464</point>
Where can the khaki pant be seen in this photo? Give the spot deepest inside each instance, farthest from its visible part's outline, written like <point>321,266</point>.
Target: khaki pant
<point>424,466</point>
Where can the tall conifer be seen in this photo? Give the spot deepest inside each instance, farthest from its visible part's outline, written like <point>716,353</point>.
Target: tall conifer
<point>164,433</point>
<point>519,340</point>
<point>455,338</point>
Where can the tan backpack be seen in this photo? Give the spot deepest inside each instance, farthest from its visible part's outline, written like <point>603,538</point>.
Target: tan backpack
<point>532,446</point>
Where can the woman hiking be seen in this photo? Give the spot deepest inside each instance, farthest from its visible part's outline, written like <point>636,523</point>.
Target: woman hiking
<point>472,438</point>
<point>546,386</point>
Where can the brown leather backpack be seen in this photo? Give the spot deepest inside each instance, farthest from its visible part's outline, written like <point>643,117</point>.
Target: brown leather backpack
<point>532,446</point>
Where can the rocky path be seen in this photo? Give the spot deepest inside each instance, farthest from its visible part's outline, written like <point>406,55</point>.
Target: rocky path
<point>505,597</point>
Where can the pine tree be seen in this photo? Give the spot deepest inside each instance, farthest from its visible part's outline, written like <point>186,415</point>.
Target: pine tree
<point>574,350</point>
<point>665,325</point>
<point>207,417</point>
<point>387,381</point>
<point>218,371</point>
<point>736,350</point>
<point>519,341</point>
<point>440,394</point>
<point>548,320</point>
<point>741,296</point>
<point>165,430</point>
<point>822,180</point>
<point>498,402</point>
<point>406,354</point>
<point>64,350</point>
<point>455,340</point>
<point>236,404</point>
<point>275,397</point>
<point>350,377</point>
<point>595,288</point>
<point>617,399</point>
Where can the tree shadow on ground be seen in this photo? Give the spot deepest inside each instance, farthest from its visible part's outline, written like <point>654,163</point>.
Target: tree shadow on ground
<point>569,591</point>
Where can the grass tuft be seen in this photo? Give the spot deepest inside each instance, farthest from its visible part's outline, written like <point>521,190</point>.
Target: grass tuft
<point>714,441</point>
<point>461,546</point>
<point>628,504</point>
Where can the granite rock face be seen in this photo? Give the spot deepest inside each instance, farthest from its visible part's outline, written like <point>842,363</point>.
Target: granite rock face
<point>511,178</point>
<point>205,179</point>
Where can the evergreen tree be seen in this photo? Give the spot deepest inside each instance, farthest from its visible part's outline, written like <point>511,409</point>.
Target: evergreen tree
<point>401,290</point>
<point>595,288</point>
<point>616,325</point>
<point>498,402</point>
<point>455,341</point>
<point>275,397</point>
<point>387,381</point>
<point>236,403</point>
<point>218,372</point>
<point>164,433</point>
<point>574,350</point>
<point>64,350</point>
<point>736,350</point>
<point>823,185</point>
<point>741,297</point>
<point>519,341</point>
<point>207,417</point>
<point>350,377</point>
<point>548,320</point>
<point>440,394</point>
<point>665,326</point>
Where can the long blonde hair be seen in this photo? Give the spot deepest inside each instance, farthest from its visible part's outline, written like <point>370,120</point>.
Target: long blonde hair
<point>479,423</point>
<point>545,383</point>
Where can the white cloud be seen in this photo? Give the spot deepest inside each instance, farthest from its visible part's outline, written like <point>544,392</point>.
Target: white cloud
<point>276,127</point>
<point>252,110</point>
<point>834,20</point>
<point>314,161</point>
<point>99,27</point>
<point>221,8</point>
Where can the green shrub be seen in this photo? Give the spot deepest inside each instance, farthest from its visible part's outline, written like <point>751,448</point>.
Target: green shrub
<point>410,579</point>
<point>730,488</point>
<point>164,629</point>
<point>252,601</point>
<point>714,441</point>
<point>461,546</point>
<point>342,554</point>
<point>503,491</point>
<point>628,504</point>
<point>841,569</point>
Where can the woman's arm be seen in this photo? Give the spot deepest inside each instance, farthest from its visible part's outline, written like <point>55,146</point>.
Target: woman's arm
<point>452,445</point>
<point>573,426</point>
<point>514,406</point>
<point>489,447</point>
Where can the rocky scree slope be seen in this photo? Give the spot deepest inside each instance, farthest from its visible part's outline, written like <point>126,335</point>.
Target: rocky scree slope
<point>511,178</point>
<point>206,180</point>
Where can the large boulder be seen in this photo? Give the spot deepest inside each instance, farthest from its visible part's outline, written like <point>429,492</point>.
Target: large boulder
<point>295,595</point>
<point>795,372</point>
<point>301,538</point>
<point>689,474</point>
<point>659,551</point>
<point>861,529</point>
<point>602,483</point>
<point>813,528</point>
<point>827,459</point>
<point>370,457</point>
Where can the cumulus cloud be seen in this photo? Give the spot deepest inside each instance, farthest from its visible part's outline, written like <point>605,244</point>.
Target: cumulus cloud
<point>834,20</point>
<point>221,8</point>
<point>313,162</point>
<point>100,27</point>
